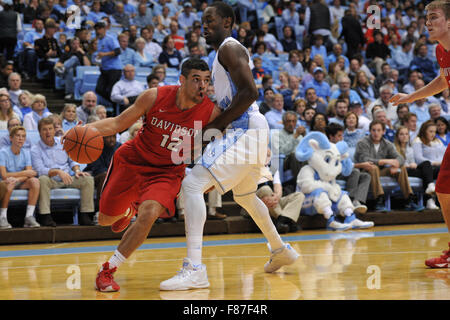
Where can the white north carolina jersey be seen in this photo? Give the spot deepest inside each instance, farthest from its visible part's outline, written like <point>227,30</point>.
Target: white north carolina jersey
<point>225,89</point>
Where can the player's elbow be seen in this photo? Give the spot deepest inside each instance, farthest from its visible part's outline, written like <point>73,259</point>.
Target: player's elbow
<point>252,94</point>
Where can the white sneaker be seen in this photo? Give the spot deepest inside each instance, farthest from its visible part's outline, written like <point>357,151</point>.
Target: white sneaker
<point>281,257</point>
<point>30,222</point>
<point>189,277</point>
<point>431,189</point>
<point>4,224</point>
<point>358,224</point>
<point>431,204</point>
<point>359,207</point>
<point>334,225</point>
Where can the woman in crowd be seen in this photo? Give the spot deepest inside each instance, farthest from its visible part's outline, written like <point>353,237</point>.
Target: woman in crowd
<point>318,122</point>
<point>170,56</point>
<point>423,170</point>
<point>351,132</point>
<point>38,107</point>
<point>144,59</point>
<point>362,86</point>
<point>6,111</point>
<point>69,116</point>
<point>25,99</point>
<point>442,131</point>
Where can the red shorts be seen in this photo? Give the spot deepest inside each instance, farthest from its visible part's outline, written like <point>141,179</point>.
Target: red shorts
<point>128,182</point>
<point>443,180</point>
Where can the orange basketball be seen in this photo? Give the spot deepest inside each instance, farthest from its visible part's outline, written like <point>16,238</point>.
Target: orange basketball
<point>83,144</point>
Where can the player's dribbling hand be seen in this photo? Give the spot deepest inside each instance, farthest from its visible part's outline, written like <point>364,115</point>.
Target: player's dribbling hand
<point>400,98</point>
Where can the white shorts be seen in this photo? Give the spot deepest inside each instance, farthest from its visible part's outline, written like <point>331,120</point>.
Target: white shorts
<point>240,154</point>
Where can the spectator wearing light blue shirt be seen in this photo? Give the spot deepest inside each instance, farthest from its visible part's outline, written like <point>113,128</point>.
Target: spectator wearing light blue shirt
<point>420,108</point>
<point>95,14</point>
<point>290,15</point>
<point>337,52</point>
<point>16,169</point>
<point>111,66</point>
<point>158,8</point>
<point>186,18</point>
<point>126,91</point>
<point>275,115</point>
<point>129,8</point>
<point>5,141</point>
<point>144,16</point>
<point>69,118</point>
<point>27,57</point>
<point>142,57</point>
<point>401,59</point>
<point>293,66</point>
<point>344,87</point>
<point>127,55</point>
<point>318,47</point>
<point>57,170</point>
<point>322,87</point>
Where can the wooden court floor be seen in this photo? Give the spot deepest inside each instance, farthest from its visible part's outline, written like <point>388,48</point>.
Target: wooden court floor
<point>382,263</point>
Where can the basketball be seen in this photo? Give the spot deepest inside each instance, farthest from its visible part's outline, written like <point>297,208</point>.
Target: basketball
<point>83,144</point>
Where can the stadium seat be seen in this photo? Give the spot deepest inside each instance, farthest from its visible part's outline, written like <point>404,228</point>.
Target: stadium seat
<point>80,71</point>
<point>59,198</point>
<point>143,71</point>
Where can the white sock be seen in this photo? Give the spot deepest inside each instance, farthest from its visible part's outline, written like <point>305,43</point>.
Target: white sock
<point>192,191</point>
<point>327,212</point>
<point>116,260</point>
<point>3,212</point>
<point>30,211</point>
<point>348,212</point>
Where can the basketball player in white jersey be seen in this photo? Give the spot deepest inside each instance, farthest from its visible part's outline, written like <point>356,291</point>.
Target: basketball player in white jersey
<point>233,162</point>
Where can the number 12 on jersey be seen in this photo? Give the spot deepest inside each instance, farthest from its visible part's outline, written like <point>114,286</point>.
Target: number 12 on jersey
<point>170,144</point>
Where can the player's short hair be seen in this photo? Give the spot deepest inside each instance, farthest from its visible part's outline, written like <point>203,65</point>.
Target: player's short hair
<point>440,4</point>
<point>193,63</point>
<point>14,130</point>
<point>224,11</point>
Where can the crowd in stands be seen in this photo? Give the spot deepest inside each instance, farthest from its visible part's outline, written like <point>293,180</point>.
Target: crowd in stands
<point>317,65</point>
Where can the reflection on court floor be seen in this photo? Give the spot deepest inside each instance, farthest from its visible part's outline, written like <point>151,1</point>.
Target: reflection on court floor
<point>383,263</point>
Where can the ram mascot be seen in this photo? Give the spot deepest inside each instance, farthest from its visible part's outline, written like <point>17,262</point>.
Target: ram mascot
<point>317,181</point>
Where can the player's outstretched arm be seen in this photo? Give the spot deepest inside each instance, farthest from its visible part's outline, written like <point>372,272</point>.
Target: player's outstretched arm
<point>111,126</point>
<point>235,60</point>
<point>436,86</point>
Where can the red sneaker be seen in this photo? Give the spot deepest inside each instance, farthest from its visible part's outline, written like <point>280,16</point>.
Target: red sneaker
<point>105,280</point>
<point>441,262</point>
<point>123,222</point>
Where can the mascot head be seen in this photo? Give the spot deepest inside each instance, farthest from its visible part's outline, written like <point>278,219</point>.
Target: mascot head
<point>327,159</point>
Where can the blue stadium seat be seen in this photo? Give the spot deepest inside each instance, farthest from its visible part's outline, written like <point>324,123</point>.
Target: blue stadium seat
<point>143,71</point>
<point>80,71</point>
<point>88,82</point>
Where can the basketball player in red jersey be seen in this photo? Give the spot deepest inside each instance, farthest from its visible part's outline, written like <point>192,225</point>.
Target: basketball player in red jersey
<point>145,174</point>
<point>438,24</point>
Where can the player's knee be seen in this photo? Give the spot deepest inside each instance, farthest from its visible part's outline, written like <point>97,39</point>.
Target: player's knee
<point>149,211</point>
<point>189,185</point>
<point>105,220</point>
